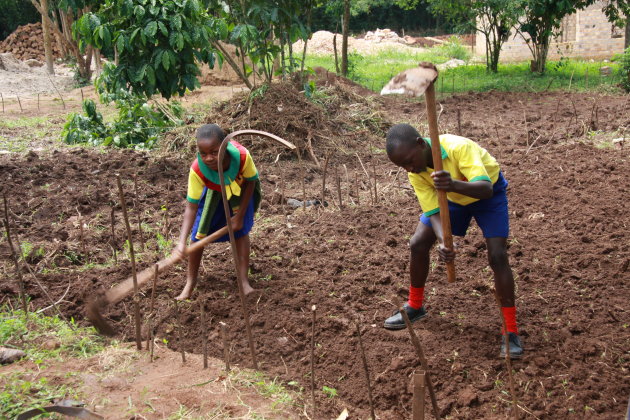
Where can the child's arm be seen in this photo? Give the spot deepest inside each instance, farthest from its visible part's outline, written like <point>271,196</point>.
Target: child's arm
<point>248,193</point>
<point>187,224</point>
<point>446,254</point>
<point>475,189</point>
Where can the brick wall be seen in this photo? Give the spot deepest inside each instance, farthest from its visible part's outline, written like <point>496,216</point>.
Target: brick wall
<point>586,34</point>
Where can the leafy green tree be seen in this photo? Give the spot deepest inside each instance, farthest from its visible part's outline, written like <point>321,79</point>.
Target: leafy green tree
<point>541,21</point>
<point>618,12</point>
<point>157,43</point>
<point>263,31</point>
<point>493,18</point>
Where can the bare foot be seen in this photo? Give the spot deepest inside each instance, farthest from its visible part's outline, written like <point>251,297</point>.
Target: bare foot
<point>185,294</point>
<point>247,289</point>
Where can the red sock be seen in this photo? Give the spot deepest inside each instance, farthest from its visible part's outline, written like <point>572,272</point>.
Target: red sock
<point>416,296</point>
<point>509,313</point>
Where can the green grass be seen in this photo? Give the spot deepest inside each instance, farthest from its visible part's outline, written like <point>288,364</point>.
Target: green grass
<point>374,71</point>
<point>29,336</point>
<point>22,391</point>
<point>23,122</point>
<point>26,388</point>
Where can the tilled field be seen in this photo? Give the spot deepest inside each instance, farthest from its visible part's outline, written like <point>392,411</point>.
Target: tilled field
<point>569,249</point>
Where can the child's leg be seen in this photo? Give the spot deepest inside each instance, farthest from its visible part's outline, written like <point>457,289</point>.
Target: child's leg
<point>420,246</point>
<point>194,260</point>
<point>243,250</point>
<point>503,279</point>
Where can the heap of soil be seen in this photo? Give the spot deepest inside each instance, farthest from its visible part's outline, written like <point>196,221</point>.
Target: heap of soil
<point>337,115</point>
<point>569,248</point>
<point>27,42</point>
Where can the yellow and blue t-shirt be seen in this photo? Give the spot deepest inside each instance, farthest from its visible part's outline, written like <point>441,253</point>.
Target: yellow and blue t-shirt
<point>241,169</point>
<point>465,160</point>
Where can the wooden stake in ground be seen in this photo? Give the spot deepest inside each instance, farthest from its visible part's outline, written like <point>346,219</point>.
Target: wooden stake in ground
<point>367,372</point>
<point>375,189</point>
<point>136,297</point>
<point>114,236</point>
<point>421,358</point>
<point>356,182</point>
<point>226,346</point>
<point>151,308</point>
<point>19,102</point>
<point>508,360</point>
<point>314,310</point>
<point>178,322</point>
<point>2,97</point>
<point>15,257</point>
<point>81,234</point>
<point>137,209</point>
<point>204,336</point>
<point>226,210</point>
<point>324,177</point>
<point>338,182</point>
<point>459,122</point>
<point>418,395</point>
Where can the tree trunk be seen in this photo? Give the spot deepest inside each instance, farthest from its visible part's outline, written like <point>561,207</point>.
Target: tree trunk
<point>47,41</point>
<point>626,42</point>
<point>345,28</point>
<point>71,45</point>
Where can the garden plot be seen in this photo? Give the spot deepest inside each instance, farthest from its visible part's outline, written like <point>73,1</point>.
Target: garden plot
<point>569,250</point>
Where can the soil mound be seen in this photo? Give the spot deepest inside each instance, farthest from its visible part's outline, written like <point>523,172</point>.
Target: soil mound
<point>328,115</point>
<point>27,42</point>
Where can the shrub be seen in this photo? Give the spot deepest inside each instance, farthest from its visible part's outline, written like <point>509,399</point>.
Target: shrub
<point>624,63</point>
<point>137,125</point>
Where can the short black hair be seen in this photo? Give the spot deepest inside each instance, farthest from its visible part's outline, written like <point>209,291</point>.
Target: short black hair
<point>400,135</point>
<point>210,132</point>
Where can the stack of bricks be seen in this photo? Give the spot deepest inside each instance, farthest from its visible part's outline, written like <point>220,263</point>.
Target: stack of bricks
<point>27,42</point>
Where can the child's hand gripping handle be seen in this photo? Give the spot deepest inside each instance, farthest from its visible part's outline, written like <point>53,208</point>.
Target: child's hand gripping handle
<point>436,152</point>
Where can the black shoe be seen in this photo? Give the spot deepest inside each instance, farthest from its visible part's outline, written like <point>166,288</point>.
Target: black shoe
<point>516,349</point>
<point>396,321</point>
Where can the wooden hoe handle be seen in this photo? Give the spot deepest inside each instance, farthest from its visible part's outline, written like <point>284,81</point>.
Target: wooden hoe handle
<point>436,151</point>
<point>125,288</point>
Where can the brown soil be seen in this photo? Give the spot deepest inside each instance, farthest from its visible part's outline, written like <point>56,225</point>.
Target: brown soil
<point>569,247</point>
<point>121,383</point>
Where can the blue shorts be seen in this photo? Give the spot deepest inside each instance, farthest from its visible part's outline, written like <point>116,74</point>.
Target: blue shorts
<point>218,220</point>
<point>491,214</point>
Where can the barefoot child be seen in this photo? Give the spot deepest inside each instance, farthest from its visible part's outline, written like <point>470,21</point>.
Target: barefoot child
<point>204,212</point>
<point>475,188</point>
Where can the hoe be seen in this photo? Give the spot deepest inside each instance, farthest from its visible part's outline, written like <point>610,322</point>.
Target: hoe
<point>116,294</point>
<point>416,82</point>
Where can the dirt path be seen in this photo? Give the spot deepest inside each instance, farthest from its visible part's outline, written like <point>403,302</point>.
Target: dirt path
<point>569,249</point>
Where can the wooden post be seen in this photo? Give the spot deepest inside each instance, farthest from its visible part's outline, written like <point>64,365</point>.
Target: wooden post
<point>81,234</point>
<point>314,310</point>
<point>421,358</point>
<point>459,122</point>
<point>375,189</point>
<point>226,347</point>
<point>418,396</point>
<point>137,209</point>
<point>114,237</point>
<point>338,181</point>
<point>2,97</point>
<point>19,102</point>
<point>204,337</point>
<point>367,372</point>
<point>136,297</point>
<point>178,322</point>
<point>16,260</point>
<point>151,307</point>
